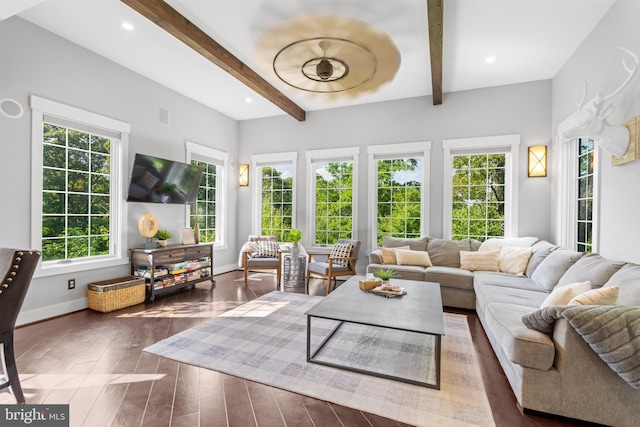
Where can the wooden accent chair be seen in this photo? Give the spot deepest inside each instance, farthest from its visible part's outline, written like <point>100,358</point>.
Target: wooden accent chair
<point>251,260</point>
<point>335,265</point>
<point>16,271</point>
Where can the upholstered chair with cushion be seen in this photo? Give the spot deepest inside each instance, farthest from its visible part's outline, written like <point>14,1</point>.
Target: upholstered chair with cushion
<point>16,270</point>
<point>340,262</point>
<point>261,253</point>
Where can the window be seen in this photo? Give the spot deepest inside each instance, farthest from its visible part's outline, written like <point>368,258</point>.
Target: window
<point>210,203</point>
<point>478,205</point>
<point>585,182</point>
<point>332,194</point>
<point>275,194</point>
<point>481,187</point>
<point>399,191</point>
<point>77,199</point>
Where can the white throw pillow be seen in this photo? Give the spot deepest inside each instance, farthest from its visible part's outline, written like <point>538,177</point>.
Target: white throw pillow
<point>514,259</point>
<point>420,258</point>
<point>388,255</point>
<point>561,295</point>
<point>267,249</point>
<point>341,250</point>
<point>479,261</point>
<point>599,296</point>
<point>497,244</point>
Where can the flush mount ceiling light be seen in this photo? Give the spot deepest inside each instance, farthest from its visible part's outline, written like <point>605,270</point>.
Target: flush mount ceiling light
<point>328,56</point>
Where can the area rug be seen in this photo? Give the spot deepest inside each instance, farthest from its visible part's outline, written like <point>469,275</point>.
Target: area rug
<point>264,340</point>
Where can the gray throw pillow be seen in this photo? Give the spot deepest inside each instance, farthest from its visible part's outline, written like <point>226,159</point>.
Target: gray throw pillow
<point>553,267</point>
<point>628,281</point>
<point>541,250</point>
<point>591,267</point>
<point>419,244</point>
<point>446,253</point>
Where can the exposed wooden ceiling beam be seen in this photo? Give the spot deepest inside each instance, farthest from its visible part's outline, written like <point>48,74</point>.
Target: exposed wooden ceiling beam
<point>434,12</point>
<point>180,27</point>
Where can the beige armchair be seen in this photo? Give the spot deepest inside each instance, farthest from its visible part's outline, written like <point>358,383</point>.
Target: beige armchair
<point>337,264</point>
<point>261,256</point>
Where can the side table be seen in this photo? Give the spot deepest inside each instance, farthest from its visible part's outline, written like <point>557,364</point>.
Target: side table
<point>295,271</point>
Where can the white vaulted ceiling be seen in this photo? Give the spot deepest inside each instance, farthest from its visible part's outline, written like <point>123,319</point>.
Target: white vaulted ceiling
<point>529,39</point>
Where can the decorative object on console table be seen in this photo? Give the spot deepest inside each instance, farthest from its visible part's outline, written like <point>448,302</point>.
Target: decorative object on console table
<point>173,267</point>
<point>162,236</point>
<point>187,236</point>
<point>148,227</point>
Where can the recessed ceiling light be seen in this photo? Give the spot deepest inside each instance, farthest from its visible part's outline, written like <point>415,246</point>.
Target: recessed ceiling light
<point>490,59</point>
<point>247,99</point>
<point>127,26</point>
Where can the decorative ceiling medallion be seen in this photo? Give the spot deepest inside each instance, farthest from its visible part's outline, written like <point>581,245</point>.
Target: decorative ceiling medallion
<point>324,55</point>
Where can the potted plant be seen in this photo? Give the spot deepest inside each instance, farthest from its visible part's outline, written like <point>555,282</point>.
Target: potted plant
<point>162,236</point>
<point>295,236</point>
<point>384,274</point>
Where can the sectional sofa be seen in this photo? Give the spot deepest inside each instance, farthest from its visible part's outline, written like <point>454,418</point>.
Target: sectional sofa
<point>554,370</point>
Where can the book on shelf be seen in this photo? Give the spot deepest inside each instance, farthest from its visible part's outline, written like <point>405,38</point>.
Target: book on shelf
<point>143,272</point>
<point>389,291</point>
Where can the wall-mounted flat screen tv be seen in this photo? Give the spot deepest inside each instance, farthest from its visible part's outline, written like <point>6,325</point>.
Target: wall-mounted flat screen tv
<point>156,180</point>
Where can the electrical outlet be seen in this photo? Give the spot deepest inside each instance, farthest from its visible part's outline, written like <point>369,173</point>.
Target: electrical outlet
<point>71,283</point>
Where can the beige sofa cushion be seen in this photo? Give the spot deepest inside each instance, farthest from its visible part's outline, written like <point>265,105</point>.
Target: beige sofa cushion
<point>450,277</point>
<point>446,252</point>
<point>407,257</point>
<point>553,267</point>
<point>592,267</point>
<point>514,259</point>
<point>598,296</point>
<point>418,244</point>
<point>524,346</point>
<point>497,244</point>
<point>561,295</point>
<point>628,280</point>
<point>479,261</point>
<point>388,255</point>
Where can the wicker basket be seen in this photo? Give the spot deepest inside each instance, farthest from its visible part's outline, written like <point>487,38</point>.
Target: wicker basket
<point>114,294</point>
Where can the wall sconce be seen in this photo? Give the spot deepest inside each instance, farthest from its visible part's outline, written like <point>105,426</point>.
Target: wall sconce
<point>243,175</point>
<point>538,161</point>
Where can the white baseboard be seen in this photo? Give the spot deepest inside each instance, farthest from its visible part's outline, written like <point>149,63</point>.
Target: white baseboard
<point>50,311</point>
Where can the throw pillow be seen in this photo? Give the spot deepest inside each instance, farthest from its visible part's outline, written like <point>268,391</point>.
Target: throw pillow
<point>479,261</point>
<point>267,249</point>
<point>497,244</point>
<point>599,296</point>
<point>341,250</point>
<point>419,258</point>
<point>388,255</point>
<point>561,295</point>
<point>514,259</point>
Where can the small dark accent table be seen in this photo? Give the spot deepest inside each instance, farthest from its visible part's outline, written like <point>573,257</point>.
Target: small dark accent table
<point>420,311</point>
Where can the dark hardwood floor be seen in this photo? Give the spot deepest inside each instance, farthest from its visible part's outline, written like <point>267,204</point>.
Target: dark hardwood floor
<point>95,363</point>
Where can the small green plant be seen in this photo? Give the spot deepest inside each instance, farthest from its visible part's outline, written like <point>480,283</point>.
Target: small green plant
<point>384,274</point>
<point>295,235</point>
<point>163,235</point>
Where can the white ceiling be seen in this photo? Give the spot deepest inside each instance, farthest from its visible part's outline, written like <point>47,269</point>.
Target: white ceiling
<point>530,40</point>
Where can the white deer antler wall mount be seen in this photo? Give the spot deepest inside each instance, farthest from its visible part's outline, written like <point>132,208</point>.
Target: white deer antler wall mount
<point>590,119</point>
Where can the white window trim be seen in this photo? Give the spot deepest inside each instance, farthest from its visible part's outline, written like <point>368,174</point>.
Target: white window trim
<point>511,144</point>
<point>422,147</point>
<point>39,107</point>
<point>221,187</point>
<point>567,196</point>
<point>259,160</point>
<point>338,154</point>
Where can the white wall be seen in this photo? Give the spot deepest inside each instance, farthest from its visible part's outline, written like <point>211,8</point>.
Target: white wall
<point>599,61</point>
<point>514,109</point>
<point>34,61</point>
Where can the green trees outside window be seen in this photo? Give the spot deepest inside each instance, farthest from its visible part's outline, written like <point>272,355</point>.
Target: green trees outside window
<point>399,197</point>
<point>76,194</point>
<point>276,217</point>
<point>334,202</point>
<point>586,157</point>
<point>206,203</point>
<point>478,209</point>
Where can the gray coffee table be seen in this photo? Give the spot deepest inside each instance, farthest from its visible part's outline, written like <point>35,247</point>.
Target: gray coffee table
<point>420,312</point>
